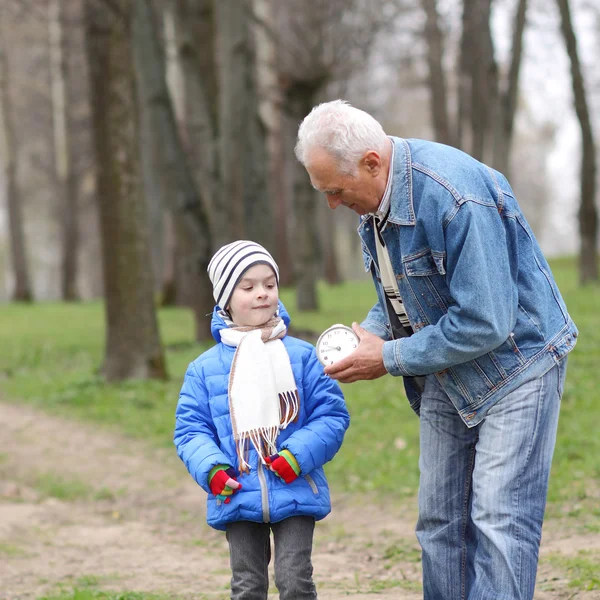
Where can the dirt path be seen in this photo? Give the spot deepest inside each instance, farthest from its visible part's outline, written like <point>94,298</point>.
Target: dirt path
<point>130,518</point>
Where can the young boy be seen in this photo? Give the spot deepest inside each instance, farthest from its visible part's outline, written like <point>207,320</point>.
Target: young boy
<point>256,421</point>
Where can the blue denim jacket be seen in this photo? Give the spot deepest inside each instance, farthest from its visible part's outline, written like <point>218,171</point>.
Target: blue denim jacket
<point>480,296</point>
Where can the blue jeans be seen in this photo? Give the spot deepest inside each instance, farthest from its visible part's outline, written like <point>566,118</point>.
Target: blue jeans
<point>250,554</point>
<point>483,491</point>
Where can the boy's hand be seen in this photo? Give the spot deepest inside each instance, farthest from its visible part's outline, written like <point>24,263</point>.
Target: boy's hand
<point>284,465</point>
<point>223,482</point>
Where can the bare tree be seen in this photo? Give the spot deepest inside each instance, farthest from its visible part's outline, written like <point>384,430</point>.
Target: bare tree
<point>133,348</point>
<point>189,214</point>
<point>194,48</point>
<point>271,108</point>
<point>319,42</point>
<point>588,215</point>
<point>478,88</point>
<point>8,151</point>
<point>486,102</point>
<point>437,78</point>
<point>242,134</point>
<point>508,95</point>
<point>65,175</point>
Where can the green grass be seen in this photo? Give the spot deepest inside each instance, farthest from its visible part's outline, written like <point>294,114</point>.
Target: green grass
<point>94,594</point>
<point>54,485</point>
<point>10,550</point>
<point>86,588</point>
<point>50,355</point>
<point>582,571</point>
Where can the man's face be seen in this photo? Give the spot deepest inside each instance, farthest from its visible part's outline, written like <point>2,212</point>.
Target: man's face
<point>361,192</point>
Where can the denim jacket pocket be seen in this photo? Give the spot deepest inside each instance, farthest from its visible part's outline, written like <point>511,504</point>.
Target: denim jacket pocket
<point>421,265</point>
<point>427,277</point>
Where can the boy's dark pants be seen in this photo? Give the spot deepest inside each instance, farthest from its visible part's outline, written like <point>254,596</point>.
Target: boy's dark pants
<point>250,554</point>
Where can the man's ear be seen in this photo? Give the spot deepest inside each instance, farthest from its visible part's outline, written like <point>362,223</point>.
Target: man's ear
<point>372,162</point>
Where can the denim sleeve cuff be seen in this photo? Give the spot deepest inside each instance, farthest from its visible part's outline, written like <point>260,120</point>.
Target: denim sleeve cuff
<point>391,359</point>
<point>376,329</point>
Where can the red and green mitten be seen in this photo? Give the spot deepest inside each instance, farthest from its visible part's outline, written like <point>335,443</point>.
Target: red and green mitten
<point>223,483</point>
<point>284,465</point>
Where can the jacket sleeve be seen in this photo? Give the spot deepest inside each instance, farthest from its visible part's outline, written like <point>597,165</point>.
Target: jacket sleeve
<point>480,280</point>
<point>195,435</point>
<point>375,323</point>
<point>321,437</point>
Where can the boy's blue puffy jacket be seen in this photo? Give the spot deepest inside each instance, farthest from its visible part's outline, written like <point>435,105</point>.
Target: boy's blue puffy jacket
<point>204,438</point>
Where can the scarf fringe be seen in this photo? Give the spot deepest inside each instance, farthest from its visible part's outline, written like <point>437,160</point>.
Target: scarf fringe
<point>262,439</point>
<point>289,405</point>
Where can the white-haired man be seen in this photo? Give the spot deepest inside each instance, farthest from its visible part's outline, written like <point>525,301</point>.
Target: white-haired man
<point>468,313</point>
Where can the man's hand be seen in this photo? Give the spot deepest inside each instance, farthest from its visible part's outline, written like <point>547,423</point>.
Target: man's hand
<point>366,362</point>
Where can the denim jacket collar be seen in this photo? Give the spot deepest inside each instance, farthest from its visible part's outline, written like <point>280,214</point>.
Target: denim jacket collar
<point>401,205</point>
<point>401,208</point>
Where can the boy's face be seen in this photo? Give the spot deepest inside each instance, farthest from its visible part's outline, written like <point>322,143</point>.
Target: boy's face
<point>255,298</point>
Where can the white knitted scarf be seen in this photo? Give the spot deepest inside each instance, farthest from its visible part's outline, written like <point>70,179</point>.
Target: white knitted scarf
<point>263,397</point>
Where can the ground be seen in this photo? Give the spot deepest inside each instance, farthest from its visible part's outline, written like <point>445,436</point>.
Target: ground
<point>81,506</point>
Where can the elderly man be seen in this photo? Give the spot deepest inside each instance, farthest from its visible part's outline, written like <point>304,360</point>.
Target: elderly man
<point>468,313</point>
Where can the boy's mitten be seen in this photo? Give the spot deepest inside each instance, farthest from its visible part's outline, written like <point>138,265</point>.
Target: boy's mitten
<point>284,465</point>
<point>223,483</point>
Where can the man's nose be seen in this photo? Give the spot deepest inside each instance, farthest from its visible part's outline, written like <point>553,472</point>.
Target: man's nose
<point>333,201</point>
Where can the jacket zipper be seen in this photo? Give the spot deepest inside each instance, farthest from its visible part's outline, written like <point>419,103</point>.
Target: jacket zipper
<point>263,492</point>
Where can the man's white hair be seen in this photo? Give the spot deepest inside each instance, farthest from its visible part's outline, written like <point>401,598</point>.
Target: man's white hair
<point>347,133</point>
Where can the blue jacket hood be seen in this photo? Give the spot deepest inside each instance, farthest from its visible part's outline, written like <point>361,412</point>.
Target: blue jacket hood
<point>217,322</point>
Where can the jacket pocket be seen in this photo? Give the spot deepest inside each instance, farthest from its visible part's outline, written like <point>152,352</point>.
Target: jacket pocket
<point>425,264</point>
<point>426,274</point>
<point>312,484</point>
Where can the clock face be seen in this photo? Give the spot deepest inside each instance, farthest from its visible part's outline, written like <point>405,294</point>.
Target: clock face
<point>336,343</point>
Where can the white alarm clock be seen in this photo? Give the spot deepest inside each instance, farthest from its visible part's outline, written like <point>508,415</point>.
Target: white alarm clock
<point>335,343</point>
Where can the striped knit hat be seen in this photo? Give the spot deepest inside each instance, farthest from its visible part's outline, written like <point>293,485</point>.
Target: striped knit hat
<point>229,264</point>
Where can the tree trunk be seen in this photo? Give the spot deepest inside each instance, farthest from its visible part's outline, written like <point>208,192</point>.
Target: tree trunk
<point>272,114</point>
<point>186,201</point>
<point>437,80</point>
<point>300,98</point>
<point>169,287</point>
<point>133,347</point>
<point>65,176</point>
<point>242,134</point>
<point>508,99</point>
<point>305,242</point>
<point>330,262</point>
<point>8,152</point>
<point>588,215</point>
<point>478,87</point>
<point>155,192</point>
<point>193,45</point>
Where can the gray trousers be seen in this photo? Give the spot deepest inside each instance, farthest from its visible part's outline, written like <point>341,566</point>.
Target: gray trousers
<point>250,554</point>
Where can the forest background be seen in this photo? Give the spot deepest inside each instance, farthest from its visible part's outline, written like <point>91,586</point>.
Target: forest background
<point>136,137</point>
